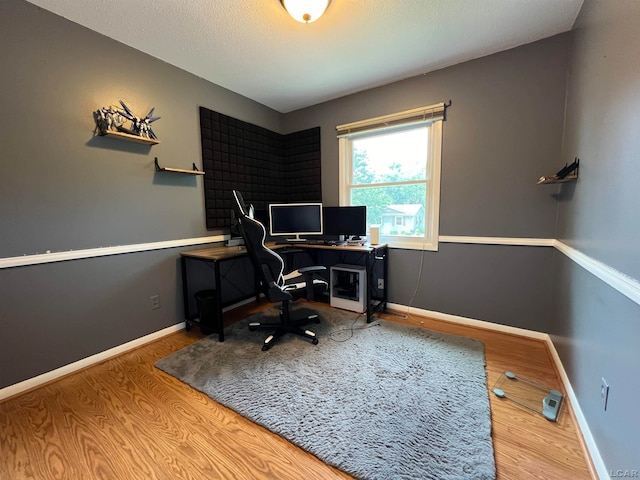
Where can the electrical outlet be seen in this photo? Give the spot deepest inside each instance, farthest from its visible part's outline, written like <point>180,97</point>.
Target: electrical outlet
<point>381,283</point>
<point>155,302</point>
<point>604,392</point>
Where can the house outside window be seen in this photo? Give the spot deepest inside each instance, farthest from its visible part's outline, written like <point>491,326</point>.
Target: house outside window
<point>402,218</point>
<point>395,171</point>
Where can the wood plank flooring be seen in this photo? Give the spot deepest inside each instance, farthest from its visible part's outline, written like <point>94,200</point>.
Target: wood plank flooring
<point>124,419</point>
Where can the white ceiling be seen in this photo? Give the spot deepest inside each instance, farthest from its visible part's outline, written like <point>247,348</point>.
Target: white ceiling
<point>254,48</point>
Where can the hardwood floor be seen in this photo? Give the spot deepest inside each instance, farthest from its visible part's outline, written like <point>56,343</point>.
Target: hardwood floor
<point>124,419</point>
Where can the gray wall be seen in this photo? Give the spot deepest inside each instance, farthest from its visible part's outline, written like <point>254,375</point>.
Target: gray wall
<point>63,189</point>
<point>597,329</point>
<point>503,131</point>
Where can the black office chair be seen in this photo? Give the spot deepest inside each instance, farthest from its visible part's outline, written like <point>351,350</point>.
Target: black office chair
<point>269,268</point>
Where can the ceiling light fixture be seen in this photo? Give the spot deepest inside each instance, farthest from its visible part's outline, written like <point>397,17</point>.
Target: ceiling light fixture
<point>305,11</point>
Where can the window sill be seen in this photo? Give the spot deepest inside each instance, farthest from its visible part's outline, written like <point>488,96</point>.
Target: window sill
<point>410,244</point>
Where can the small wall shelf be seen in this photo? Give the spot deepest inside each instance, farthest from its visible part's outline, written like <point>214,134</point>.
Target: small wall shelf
<point>194,171</point>
<point>568,173</point>
<point>129,137</point>
<point>553,179</point>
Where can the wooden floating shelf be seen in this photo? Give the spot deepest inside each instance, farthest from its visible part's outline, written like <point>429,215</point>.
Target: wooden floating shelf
<point>194,171</point>
<point>553,179</point>
<point>180,170</point>
<point>130,138</point>
<point>568,173</point>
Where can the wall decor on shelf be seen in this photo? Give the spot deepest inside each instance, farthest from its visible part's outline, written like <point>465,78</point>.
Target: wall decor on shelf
<point>568,173</point>
<point>110,121</point>
<point>194,171</point>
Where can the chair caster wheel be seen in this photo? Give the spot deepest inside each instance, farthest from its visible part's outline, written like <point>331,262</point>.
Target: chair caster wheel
<point>265,348</point>
<point>187,327</point>
<point>252,329</point>
<point>317,320</point>
<point>314,341</point>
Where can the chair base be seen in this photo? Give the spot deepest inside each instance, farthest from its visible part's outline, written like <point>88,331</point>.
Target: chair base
<point>284,327</point>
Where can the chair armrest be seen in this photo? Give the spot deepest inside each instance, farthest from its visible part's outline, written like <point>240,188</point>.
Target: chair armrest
<point>312,268</point>
<point>308,274</point>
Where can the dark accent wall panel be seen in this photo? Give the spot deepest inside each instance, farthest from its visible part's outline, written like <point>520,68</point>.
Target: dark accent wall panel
<point>265,166</point>
<point>302,159</point>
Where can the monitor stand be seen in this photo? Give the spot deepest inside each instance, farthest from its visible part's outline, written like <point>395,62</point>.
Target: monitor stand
<point>296,239</point>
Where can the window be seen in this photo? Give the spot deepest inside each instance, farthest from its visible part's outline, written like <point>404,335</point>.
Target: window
<point>392,165</point>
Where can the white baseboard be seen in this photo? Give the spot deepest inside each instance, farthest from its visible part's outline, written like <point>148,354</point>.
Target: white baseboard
<point>468,321</point>
<point>590,443</point>
<point>40,380</point>
<point>52,375</point>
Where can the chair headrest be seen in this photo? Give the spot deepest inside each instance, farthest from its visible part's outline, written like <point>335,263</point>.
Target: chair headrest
<point>241,207</point>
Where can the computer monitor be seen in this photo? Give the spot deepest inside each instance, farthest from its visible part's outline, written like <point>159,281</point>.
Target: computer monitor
<point>346,221</point>
<point>295,219</point>
<point>262,215</point>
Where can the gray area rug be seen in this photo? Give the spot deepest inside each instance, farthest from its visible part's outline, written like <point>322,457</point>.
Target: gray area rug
<point>378,401</point>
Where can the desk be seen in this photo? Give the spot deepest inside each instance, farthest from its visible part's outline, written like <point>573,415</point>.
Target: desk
<point>214,257</point>
<point>373,257</point>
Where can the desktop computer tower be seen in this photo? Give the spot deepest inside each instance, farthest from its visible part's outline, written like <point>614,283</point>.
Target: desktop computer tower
<point>347,287</point>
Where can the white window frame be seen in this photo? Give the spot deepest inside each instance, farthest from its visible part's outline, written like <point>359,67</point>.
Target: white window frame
<point>432,211</point>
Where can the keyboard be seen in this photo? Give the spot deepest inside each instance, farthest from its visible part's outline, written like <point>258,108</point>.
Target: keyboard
<point>311,242</point>
<point>292,243</point>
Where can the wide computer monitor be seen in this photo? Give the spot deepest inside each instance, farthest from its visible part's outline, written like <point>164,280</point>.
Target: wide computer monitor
<point>347,221</point>
<point>295,219</point>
